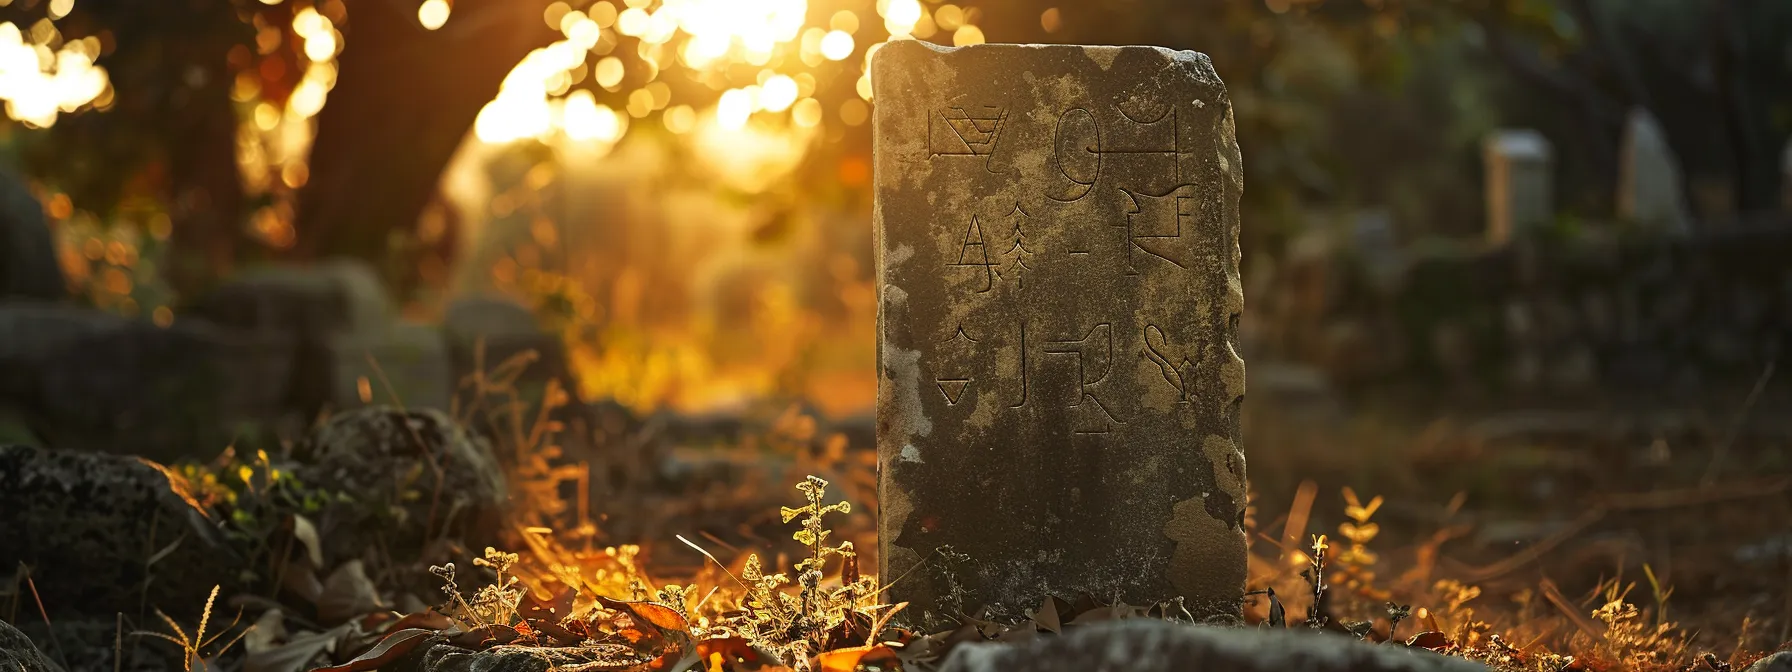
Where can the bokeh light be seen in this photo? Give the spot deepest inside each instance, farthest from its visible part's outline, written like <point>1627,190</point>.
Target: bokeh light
<point>901,16</point>
<point>433,13</point>
<point>836,45</point>
<point>39,83</point>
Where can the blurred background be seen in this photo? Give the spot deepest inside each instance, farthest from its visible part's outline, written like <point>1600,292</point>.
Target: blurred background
<point>1547,238</point>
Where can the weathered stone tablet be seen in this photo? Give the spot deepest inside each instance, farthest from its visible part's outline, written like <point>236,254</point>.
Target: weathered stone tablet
<point>1057,256</point>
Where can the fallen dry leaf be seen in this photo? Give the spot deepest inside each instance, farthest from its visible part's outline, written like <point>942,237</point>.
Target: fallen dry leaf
<point>858,658</point>
<point>306,534</point>
<point>391,648</point>
<point>348,593</point>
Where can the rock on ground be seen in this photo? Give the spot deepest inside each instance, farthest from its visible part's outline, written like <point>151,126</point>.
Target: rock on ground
<point>447,658</point>
<point>1145,645</point>
<point>104,534</point>
<point>1779,662</point>
<point>18,653</point>
<point>93,381</point>
<point>28,263</point>
<point>386,460</point>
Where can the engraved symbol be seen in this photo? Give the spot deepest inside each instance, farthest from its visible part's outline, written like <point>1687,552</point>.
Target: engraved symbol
<point>952,388</point>
<point>960,336</point>
<point>1076,153</point>
<point>971,132</point>
<point>1177,374</point>
<point>1023,368</point>
<point>1157,217</point>
<point>966,131</point>
<point>1079,154</point>
<point>1175,133</point>
<point>973,237</point>
<point>1019,253</point>
<point>1093,352</point>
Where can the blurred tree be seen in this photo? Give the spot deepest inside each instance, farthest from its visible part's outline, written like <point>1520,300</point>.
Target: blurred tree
<point>189,80</point>
<point>170,137</point>
<point>403,102</point>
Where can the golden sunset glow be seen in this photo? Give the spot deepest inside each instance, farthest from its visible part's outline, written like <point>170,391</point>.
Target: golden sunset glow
<point>38,82</point>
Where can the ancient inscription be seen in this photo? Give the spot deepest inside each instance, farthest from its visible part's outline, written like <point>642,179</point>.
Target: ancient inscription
<point>1154,220</point>
<point>953,387</point>
<point>1015,259</point>
<point>1176,370</point>
<point>1057,237</point>
<point>1094,356</point>
<point>973,255</point>
<point>960,131</point>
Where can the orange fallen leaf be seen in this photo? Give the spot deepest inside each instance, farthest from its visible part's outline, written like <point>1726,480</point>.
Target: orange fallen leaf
<point>858,658</point>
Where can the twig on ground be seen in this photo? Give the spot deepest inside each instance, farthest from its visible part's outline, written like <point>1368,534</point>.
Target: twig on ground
<point>1646,501</point>
<point>1526,556</point>
<point>1678,497</point>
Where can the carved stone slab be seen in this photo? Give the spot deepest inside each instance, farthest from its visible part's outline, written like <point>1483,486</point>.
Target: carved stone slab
<point>1057,255</point>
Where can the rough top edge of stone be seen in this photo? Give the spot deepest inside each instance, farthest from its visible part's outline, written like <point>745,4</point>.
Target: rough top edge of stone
<point>1199,63</point>
<point>1153,645</point>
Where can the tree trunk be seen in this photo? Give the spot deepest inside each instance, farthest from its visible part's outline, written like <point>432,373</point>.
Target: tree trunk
<point>403,101</point>
<point>208,200</point>
<point>1751,191</point>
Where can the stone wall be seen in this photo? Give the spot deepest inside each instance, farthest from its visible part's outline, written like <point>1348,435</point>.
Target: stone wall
<point>263,355</point>
<point>1672,314</point>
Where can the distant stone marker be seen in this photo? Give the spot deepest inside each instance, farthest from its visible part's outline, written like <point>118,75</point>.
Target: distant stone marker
<point>1059,386</point>
<point>1519,183</point>
<point>1649,191</point>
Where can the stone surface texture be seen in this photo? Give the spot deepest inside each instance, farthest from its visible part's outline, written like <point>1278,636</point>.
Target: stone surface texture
<point>1779,662</point>
<point>94,381</point>
<point>17,653</point>
<point>93,529</point>
<point>386,460</point>
<point>1059,388</point>
<point>1159,646</point>
<point>443,657</point>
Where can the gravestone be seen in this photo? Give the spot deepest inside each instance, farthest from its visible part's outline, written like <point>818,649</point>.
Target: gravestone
<point>1649,190</point>
<point>504,329</point>
<point>348,347</point>
<point>1059,384</point>
<point>1519,184</point>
